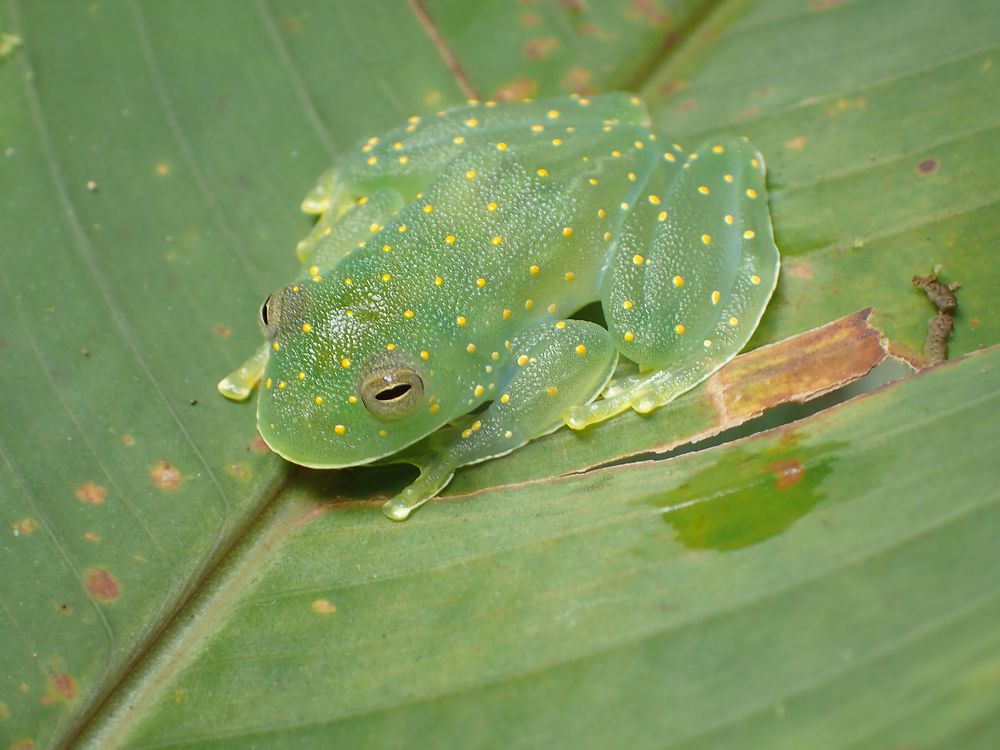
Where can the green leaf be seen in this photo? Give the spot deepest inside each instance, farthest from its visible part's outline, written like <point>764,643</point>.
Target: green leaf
<point>168,581</point>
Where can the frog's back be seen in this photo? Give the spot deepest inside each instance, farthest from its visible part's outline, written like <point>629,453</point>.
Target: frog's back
<point>513,223</point>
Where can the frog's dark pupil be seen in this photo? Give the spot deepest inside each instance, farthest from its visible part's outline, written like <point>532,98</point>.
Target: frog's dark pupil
<point>397,391</point>
<point>263,310</point>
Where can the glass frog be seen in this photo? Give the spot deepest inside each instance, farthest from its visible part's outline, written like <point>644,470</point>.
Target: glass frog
<point>431,323</point>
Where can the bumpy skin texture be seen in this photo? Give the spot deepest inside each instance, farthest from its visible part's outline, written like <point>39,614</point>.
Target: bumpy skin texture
<point>449,254</point>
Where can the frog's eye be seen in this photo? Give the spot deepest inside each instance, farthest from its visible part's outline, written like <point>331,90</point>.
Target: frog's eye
<point>392,394</point>
<point>268,320</point>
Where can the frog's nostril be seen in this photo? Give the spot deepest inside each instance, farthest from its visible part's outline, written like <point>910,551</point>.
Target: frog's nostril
<point>391,394</point>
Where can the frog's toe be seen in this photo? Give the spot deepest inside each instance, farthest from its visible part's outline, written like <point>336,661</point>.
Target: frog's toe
<point>320,198</point>
<point>396,509</point>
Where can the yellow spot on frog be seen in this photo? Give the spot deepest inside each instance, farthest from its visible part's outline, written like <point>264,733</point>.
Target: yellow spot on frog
<point>567,231</point>
<point>581,349</point>
<point>471,348</point>
<point>534,270</point>
<point>568,276</point>
<point>629,336</point>
<point>306,327</point>
<point>428,208</point>
<point>707,239</point>
<point>460,321</point>
<point>543,172</point>
<point>703,189</point>
<point>637,259</point>
<point>339,429</point>
<point>318,400</point>
<point>751,193</point>
<point>424,355</point>
<point>749,234</point>
<point>678,281</point>
<point>522,360</point>
<point>480,282</point>
<point>408,314</point>
<point>479,391</point>
<point>679,328</point>
<point>470,175</point>
<point>552,391</point>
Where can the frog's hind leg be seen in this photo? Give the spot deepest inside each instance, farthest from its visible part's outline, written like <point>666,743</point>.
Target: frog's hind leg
<point>690,277</point>
<point>555,367</point>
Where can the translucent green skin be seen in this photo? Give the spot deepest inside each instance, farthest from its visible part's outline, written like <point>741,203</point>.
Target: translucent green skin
<point>454,246</point>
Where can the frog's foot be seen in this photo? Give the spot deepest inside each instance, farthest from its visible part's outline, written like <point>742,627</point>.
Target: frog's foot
<point>320,198</point>
<point>430,482</point>
<point>642,393</point>
<point>238,384</point>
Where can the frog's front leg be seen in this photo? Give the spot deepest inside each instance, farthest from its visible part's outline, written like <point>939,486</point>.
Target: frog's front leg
<point>690,277</point>
<point>553,368</point>
<point>238,384</point>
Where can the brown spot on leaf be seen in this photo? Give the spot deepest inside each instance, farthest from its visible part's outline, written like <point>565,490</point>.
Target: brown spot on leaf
<point>90,536</point>
<point>102,585</point>
<point>25,527</point>
<point>786,473</point>
<point>165,475</point>
<point>22,744</point>
<point>239,470</point>
<point>648,11</point>
<point>796,144</point>
<point>62,608</point>
<point>127,440</point>
<point>540,48</point>
<point>222,331</point>
<point>258,445</point>
<point>927,166</point>
<point>88,492</point>
<point>578,80</point>
<point>529,19</point>
<point>687,105</point>
<point>61,687</point>
<point>519,88</point>
<point>324,607</point>
<point>4,712</point>
<point>798,268</point>
<point>819,5</point>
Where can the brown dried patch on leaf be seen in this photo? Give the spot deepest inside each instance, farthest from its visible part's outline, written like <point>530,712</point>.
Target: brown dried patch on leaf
<point>102,585</point>
<point>22,743</point>
<point>88,492</point>
<point>797,369</point>
<point>819,5</point>
<point>165,475</point>
<point>324,607</point>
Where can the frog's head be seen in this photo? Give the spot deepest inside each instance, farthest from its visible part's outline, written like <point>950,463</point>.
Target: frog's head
<point>342,385</point>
